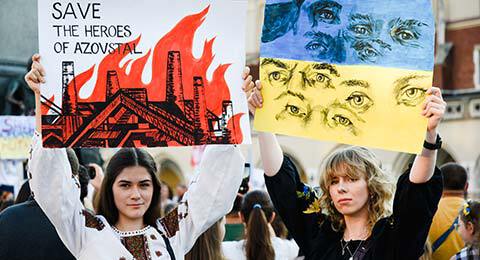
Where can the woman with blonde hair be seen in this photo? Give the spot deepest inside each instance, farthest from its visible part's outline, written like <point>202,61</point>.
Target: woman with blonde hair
<point>352,217</point>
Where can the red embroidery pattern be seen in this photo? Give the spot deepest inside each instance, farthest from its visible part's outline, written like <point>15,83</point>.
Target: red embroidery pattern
<point>170,223</point>
<point>137,246</point>
<point>92,221</point>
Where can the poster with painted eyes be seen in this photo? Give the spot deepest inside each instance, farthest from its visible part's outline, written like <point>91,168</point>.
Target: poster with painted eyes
<point>350,71</point>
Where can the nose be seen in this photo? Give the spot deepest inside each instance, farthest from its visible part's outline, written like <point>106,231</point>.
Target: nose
<point>341,187</point>
<point>135,195</point>
<point>297,81</point>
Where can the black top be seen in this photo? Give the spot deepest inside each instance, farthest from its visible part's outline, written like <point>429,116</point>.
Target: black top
<point>400,236</point>
<point>26,233</point>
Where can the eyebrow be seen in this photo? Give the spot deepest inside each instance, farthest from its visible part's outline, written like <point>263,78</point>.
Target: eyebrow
<point>355,83</point>
<point>274,62</point>
<point>408,23</point>
<point>290,93</point>
<point>401,82</point>
<point>142,181</point>
<point>361,17</point>
<point>326,66</point>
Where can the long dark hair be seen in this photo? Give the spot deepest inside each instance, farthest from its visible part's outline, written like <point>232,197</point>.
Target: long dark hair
<point>125,158</point>
<point>257,210</point>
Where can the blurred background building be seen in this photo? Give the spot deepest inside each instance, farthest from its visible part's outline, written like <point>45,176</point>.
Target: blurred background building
<point>457,71</point>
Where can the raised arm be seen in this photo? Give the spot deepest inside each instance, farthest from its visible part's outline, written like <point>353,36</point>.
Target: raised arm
<point>270,150</point>
<point>209,197</point>
<point>53,186</point>
<point>424,164</point>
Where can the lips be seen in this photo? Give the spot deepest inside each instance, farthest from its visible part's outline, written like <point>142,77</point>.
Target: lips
<point>135,205</point>
<point>343,201</point>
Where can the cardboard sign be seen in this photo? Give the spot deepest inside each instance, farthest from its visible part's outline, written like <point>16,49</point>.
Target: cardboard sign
<point>349,71</point>
<point>145,73</point>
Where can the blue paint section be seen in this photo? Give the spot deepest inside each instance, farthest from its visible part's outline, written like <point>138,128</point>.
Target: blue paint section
<point>387,33</point>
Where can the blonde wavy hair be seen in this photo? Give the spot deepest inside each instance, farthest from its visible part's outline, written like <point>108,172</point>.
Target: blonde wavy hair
<point>357,162</point>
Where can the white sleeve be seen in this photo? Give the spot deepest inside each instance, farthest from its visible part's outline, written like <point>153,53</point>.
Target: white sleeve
<point>210,196</point>
<point>57,192</point>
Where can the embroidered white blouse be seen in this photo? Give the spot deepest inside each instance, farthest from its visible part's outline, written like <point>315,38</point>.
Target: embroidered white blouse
<point>210,196</point>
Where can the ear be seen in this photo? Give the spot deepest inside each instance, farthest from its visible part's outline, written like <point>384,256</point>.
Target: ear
<point>466,187</point>
<point>270,221</point>
<point>470,228</point>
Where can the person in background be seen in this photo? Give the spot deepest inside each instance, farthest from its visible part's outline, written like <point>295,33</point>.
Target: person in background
<point>445,242</point>
<point>469,229</point>
<point>209,244</point>
<point>260,241</point>
<point>25,226</point>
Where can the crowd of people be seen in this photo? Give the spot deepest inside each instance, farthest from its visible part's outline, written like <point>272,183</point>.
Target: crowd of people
<point>358,211</point>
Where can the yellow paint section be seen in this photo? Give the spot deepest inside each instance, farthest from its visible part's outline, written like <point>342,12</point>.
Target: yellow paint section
<point>15,148</point>
<point>358,105</point>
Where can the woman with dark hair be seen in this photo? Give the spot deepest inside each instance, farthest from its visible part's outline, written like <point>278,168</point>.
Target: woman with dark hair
<point>129,225</point>
<point>260,242</point>
<point>352,217</point>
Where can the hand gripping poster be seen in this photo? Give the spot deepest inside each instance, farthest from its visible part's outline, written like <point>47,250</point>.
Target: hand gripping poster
<point>349,71</point>
<point>141,73</point>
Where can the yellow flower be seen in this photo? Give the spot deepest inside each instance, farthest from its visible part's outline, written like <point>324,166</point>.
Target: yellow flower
<point>314,207</point>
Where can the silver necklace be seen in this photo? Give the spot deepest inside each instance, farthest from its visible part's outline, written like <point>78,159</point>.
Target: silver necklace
<point>348,249</point>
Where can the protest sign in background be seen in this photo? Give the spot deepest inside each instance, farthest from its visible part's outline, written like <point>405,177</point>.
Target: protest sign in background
<point>144,73</point>
<point>16,136</point>
<point>349,71</point>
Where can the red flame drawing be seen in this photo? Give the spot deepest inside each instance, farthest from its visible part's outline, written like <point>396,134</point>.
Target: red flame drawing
<point>180,39</point>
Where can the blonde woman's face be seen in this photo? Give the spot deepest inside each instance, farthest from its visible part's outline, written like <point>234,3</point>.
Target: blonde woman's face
<point>133,192</point>
<point>349,195</point>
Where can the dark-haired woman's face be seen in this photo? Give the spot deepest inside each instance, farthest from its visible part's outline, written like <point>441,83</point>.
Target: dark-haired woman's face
<point>132,192</point>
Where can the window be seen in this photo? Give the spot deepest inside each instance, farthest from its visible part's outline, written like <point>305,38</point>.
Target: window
<point>476,62</point>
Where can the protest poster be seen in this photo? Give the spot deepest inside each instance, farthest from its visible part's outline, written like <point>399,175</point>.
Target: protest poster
<point>16,136</point>
<point>349,71</point>
<point>149,73</point>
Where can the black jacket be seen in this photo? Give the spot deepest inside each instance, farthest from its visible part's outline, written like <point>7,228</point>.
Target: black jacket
<point>26,233</point>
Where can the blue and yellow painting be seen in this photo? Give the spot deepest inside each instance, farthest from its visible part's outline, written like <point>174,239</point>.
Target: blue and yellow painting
<point>349,71</point>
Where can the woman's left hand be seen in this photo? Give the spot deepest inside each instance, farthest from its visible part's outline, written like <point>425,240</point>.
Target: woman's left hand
<point>434,108</point>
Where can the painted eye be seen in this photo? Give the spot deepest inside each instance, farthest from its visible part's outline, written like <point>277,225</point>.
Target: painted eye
<point>275,75</point>
<point>326,15</point>
<point>359,101</point>
<point>368,54</point>
<point>277,78</point>
<point>313,46</point>
<point>295,111</point>
<point>406,35</point>
<point>341,120</point>
<point>411,95</point>
<point>361,30</point>
<point>319,80</point>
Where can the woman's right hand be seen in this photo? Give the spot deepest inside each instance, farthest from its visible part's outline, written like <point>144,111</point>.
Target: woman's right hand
<point>252,90</point>
<point>36,75</point>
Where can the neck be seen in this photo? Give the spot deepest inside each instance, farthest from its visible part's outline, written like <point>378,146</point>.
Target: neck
<point>356,226</point>
<point>453,193</point>
<point>126,224</point>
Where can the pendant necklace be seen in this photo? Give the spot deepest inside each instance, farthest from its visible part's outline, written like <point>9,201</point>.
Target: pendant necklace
<point>348,249</point>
